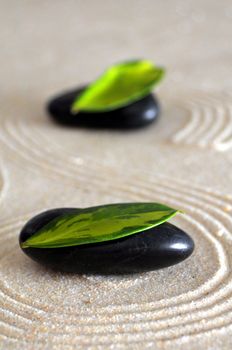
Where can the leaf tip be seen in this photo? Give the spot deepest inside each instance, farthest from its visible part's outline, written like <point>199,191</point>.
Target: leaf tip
<point>24,245</point>
<point>161,72</point>
<point>180,211</point>
<point>74,110</point>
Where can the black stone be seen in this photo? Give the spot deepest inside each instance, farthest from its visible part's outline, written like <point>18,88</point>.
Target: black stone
<point>156,248</point>
<point>137,114</point>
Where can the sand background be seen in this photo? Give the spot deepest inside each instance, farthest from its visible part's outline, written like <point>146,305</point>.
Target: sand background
<point>183,160</point>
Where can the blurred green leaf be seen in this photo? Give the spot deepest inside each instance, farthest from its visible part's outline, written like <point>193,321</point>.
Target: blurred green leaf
<point>119,86</point>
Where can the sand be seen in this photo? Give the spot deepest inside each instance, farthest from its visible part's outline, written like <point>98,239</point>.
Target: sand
<point>183,160</point>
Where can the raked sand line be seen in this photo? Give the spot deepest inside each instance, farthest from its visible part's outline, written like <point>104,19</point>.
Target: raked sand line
<point>217,226</point>
<point>165,194</point>
<point>210,123</point>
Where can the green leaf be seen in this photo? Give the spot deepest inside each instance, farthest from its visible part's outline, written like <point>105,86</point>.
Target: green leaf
<point>119,86</point>
<point>99,224</point>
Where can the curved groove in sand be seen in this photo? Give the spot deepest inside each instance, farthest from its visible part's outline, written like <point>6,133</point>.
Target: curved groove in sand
<point>4,182</point>
<point>159,322</point>
<point>211,300</point>
<point>210,123</point>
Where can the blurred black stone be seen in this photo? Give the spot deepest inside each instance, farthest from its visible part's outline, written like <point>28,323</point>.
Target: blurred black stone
<point>137,114</point>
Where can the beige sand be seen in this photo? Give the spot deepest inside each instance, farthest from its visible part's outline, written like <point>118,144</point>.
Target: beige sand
<point>184,160</point>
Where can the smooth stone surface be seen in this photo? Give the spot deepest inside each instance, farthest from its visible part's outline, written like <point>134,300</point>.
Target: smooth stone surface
<point>158,247</point>
<point>137,114</point>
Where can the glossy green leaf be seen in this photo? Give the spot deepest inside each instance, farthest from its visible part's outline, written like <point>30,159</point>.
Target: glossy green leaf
<point>100,224</point>
<point>119,86</point>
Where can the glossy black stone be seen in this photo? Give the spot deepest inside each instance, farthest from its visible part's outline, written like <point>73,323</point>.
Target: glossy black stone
<point>158,247</point>
<point>137,114</point>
